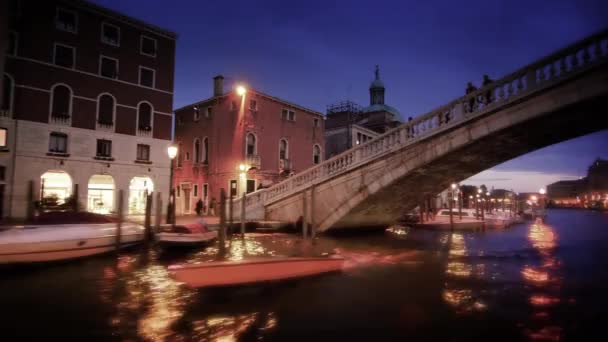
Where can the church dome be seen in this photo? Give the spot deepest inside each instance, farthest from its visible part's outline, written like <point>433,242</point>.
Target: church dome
<point>383,108</point>
<point>376,84</point>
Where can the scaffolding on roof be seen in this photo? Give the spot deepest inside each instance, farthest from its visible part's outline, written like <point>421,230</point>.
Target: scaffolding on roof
<point>346,106</point>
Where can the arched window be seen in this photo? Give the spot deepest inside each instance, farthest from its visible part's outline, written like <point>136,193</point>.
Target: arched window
<point>283,151</point>
<point>197,151</point>
<point>105,109</point>
<point>144,116</point>
<point>61,106</point>
<point>250,144</point>
<point>7,94</point>
<point>205,150</point>
<point>316,154</point>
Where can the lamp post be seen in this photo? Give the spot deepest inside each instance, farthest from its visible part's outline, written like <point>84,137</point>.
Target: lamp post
<point>542,200</point>
<point>172,152</point>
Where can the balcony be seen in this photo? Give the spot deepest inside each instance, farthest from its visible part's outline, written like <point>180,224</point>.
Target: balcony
<point>107,126</point>
<point>61,119</point>
<point>284,165</point>
<point>254,161</point>
<point>144,131</point>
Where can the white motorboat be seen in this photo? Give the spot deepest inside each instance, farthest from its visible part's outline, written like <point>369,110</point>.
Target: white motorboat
<point>245,272</point>
<point>187,235</point>
<point>26,244</point>
<point>442,221</point>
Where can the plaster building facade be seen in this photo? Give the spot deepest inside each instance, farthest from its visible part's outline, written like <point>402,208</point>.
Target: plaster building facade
<point>241,142</point>
<point>88,102</point>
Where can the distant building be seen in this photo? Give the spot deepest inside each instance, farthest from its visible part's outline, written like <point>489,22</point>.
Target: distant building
<point>87,101</point>
<point>596,193</point>
<point>566,193</point>
<point>348,124</point>
<point>588,192</point>
<point>270,137</point>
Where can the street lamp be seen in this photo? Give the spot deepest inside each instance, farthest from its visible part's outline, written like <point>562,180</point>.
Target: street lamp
<point>541,191</point>
<point>241,90</point>
<point>172,152</point>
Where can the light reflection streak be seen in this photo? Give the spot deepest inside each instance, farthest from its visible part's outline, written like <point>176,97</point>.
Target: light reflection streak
<point>544,239</point>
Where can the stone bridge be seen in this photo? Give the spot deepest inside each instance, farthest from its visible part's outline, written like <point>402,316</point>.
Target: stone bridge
<point>559,97</point>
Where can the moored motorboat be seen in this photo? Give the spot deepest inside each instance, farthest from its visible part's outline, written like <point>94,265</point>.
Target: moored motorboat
<point>245,272</point>
<point>26,244</point>
<point>187,235</point>
<point>442,221</point>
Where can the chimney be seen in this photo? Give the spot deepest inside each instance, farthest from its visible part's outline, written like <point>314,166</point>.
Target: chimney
<point>218,85</point>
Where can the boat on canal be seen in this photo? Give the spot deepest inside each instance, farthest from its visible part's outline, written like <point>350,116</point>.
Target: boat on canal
<point>441,221</point>
<point>254,271</point>
<point>41,243</point>
<point>187,235</point>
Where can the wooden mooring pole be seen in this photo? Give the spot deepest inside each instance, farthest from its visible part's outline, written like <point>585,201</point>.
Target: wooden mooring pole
<point>222,237</point>
<point>158,213</point>
<point>304,216</point>
<point>120,218</point>
<point>148,217</point>
<point>243,203</point>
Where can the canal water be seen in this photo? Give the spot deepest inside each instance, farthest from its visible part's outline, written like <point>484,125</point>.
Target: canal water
<point>528,282</point>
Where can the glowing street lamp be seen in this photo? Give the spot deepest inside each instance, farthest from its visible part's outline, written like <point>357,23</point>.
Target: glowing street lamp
<point>241,90</point>
<point>541,191</point>
<point>172,153</point>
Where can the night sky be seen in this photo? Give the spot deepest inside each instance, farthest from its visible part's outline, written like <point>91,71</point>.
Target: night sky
<point>315,53</point>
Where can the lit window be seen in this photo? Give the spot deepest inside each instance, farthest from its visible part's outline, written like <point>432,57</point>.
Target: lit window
<point>66,20</point>
<point>58,143</point>
<point>104,148</point>
<point>148,46</point>
<point>3,134</point>
<point>64,56</point>
<point>146,77</point>
<point>143,152</point>
<point>110,34</point>
<point>108,67</point>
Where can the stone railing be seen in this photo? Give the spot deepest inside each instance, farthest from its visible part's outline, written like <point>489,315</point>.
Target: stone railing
<point>537,76</point>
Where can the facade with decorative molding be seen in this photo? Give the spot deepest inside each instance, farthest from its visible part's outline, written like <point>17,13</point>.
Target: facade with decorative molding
<point>87,109</point>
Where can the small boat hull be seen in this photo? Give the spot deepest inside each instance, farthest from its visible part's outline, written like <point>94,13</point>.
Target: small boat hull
<point>441,225</point>
<point>63,242</point>
<point>185,240</point>
<point>233,273</point>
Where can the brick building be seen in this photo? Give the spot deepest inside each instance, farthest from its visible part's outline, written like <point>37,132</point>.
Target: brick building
<point>271,138</point>
<point>88,95</point>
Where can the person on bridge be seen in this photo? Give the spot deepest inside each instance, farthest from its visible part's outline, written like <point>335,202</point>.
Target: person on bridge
<point>470,88</point>
<point>488,95</point>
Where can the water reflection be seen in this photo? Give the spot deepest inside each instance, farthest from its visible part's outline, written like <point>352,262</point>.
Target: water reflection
<point>546,281</point>
<point>458,293</point>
